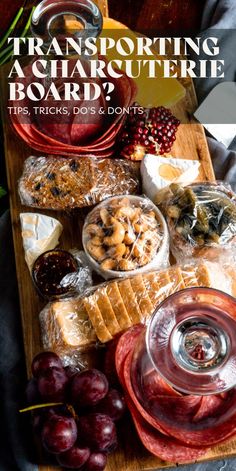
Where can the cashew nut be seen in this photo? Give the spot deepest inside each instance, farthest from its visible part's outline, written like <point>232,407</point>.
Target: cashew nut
<point>127,212</point>
<point>138,248</point>
<point>140,227</point>
<point>117,234</point>
<point>97,240</point>
<point>130,236</point>
<point>94,230</point>
<point>127,252</point>
<point>144,260</point>
<point>96,251</point>
<point>125,264</point>
<point>105,216</point>
<point>109,264</point>
<point>117,251</point>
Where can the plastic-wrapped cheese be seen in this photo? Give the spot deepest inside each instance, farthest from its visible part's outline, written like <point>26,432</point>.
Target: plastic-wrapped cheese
<point>40,233</point>
<point>159,172</point>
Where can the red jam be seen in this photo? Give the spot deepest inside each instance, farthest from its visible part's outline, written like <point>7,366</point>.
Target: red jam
<point>49,270</point>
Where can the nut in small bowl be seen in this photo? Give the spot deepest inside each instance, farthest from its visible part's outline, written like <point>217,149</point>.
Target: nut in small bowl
<point>125,235</point>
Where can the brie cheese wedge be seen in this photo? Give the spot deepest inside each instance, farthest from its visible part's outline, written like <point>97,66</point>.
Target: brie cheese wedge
<point>40,233</point>
<point>159,172</point>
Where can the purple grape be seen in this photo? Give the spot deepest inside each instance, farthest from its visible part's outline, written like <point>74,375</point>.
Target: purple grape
<point>96,462</point>
<point>98,432</point>
<point>88,388</point>
<point>113,405</point>
<point>32,392</point>
<point>75,457</point>
<point>59,434</point>
<point>43,361</point>
<point>52,384</point>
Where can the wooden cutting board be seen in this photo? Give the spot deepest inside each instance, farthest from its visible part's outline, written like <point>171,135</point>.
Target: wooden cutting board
<point>191,143</point>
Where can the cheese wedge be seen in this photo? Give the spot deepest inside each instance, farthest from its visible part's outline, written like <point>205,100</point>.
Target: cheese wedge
<point>66,325</point>
<point>159,172</point>
<point>39,233</point>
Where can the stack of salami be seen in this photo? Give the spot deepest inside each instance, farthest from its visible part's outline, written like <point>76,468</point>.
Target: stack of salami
<point>59,127</point>
<point>184,426</point>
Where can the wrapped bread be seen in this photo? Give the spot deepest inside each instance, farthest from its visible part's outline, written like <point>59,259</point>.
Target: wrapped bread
<point>116,305</point>
<point>68,182</point>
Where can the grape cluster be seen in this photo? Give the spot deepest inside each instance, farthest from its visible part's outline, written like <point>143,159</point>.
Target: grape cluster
<point>148,131</point>
<point>80,431</point>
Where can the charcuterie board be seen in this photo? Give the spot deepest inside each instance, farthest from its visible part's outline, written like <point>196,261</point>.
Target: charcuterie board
<point>191,144</point>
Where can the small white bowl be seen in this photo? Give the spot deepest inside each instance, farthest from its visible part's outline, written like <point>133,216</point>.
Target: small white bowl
<point>160,260</point>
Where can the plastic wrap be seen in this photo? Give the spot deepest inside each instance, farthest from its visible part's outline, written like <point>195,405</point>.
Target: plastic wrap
<point>126,235</point>
<point>66,183</point>
<point>112,307</point>
<point>59,273</point>
<point>201,219</point>
<point>67,330</point>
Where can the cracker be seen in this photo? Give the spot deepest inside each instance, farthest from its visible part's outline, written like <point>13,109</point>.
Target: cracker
<point>96,318</point>
<point>118,306</point>
<point>107,311</point>
<point>143,299</point>
<point>129,300</point>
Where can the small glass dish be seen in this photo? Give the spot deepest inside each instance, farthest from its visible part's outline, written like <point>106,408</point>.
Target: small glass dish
<point>51,273</point>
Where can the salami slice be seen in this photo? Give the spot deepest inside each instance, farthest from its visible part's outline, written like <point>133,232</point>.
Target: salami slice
<point>172,419</point>
<point>124,345</point>
<point>77,134</point>
<point>165,448</point>
<point>210,406</point>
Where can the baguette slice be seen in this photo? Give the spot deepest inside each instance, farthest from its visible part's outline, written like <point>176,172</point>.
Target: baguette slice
<point>130,301</point>
<point>118,306</point>
<point>96,318</point>
<point>143,300</point>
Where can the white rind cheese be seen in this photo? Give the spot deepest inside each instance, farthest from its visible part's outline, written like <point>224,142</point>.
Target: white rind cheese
<point>40,233</point>
<point>159,172</point>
